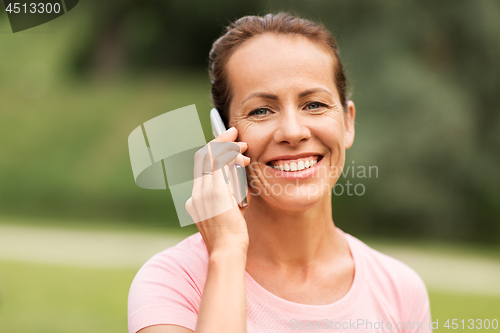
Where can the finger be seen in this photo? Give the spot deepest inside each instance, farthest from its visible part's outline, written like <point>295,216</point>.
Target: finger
<point>229,188</point>
<point>205,157</point>
<point>216,197</point>
<point>242,160</point>
<point>191,209</point>
<point>243,146</point>
<point>228,136</point>
<point>199,158</point>
<point>225,159</point>
<point>220,148</point>
<point>223,153</point>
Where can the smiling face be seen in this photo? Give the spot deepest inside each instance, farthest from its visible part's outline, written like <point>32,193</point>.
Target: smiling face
<point>285,105</point>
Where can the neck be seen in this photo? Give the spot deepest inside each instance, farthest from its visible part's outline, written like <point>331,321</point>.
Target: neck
<point>291,239</point>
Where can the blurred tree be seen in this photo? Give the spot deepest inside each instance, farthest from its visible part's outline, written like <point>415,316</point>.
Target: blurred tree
<point>462,39</point>
<point>425,77</point>
<point>149,34</point>
<point>424,72</point>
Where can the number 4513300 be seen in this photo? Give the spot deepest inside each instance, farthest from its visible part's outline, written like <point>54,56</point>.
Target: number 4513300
<point>471,324</point>
<point>33,8</point>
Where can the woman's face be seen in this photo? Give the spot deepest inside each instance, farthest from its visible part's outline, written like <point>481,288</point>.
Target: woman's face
<point>286,106</point>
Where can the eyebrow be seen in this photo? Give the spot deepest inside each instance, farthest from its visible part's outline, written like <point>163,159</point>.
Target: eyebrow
<point>274,97</point>
<point>312,91</point>
<point>260,94</point>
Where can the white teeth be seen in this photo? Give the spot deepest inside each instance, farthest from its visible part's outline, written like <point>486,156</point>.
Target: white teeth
<point>301,165</point>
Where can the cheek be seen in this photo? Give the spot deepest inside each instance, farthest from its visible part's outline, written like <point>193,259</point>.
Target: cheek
<point>331,131</point>
<point>257,135</point>
<point>251,136</point>
<point>244,134</point>
<point>240,124</point>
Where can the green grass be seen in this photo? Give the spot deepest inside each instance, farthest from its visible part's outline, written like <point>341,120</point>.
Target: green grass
<point>432,246</point>
<point>67,155</point>
<point>446,306</point>
<point>50,298</point>
<point>98,225</point>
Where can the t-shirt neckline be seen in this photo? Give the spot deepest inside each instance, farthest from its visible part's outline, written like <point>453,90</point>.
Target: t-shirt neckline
<point>341,305</point>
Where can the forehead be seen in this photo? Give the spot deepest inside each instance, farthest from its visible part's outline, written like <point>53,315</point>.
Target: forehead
<point>279,63</point>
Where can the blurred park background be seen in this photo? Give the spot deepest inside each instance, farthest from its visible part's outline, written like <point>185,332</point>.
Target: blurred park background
<point>425,78</point>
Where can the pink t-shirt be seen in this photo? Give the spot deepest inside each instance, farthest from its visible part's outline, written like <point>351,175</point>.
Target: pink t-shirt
<point>386,295</point>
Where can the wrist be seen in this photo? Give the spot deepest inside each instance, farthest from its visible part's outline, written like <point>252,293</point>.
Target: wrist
<point>229,244</point>
<point>229,253</point>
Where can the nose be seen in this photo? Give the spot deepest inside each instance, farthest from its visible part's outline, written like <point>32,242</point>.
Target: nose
<point>291,129</point>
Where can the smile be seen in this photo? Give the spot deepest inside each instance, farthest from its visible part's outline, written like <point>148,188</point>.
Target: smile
<point>303,167</point>
<point>296,164</point>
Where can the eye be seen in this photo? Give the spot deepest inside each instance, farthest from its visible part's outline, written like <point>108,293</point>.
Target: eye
<point>315,105</point>
<point>259,112</point>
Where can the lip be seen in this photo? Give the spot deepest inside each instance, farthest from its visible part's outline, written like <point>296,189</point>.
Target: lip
<point>293,157</point>
<point>302,174</point>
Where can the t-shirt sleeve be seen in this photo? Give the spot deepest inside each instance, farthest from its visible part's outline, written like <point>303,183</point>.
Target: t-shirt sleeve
<point>163,292</point>
<point>419,314</point>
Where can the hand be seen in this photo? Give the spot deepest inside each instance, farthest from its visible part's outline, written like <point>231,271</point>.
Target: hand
<point>212,204</point>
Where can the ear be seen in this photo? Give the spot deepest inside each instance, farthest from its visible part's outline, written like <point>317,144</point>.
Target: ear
<point>349,117</point>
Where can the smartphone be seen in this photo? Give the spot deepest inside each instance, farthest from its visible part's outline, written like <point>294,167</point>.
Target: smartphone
<point>237,174</point>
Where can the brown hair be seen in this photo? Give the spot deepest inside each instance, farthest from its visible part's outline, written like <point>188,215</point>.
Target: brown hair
<point>250,26</point>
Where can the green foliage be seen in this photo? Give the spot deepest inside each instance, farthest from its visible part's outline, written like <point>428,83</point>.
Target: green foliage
<point>424,77</point>
<point>145,35</point>
<point>68,155</point>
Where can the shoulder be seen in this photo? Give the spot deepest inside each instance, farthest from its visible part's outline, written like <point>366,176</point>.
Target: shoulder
<point>391,280</point>
<point>168,287</point>
<point>189,258</point>
<point>382,266</point>
<point>191,250</point>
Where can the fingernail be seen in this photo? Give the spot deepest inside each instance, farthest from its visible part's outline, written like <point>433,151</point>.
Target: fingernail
<point>231,129</point>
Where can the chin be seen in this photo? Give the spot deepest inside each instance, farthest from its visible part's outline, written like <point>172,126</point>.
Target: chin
<point>298,198</point>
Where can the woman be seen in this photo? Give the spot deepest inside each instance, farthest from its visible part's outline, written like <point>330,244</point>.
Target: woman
<point>279,264</point>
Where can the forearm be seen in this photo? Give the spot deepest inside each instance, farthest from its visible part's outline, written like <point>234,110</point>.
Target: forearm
<point>223,304</point>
